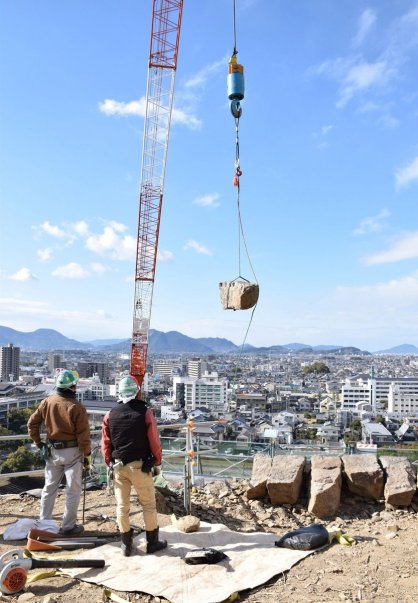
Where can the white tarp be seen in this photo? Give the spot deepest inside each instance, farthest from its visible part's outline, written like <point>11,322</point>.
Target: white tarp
<point>252,560</point>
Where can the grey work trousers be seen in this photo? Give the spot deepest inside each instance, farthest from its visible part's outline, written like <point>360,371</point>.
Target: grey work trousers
<point>124,478</point>
<point>68,462</point>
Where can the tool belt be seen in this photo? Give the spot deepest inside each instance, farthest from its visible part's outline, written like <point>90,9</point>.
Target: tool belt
<point>60,444</point>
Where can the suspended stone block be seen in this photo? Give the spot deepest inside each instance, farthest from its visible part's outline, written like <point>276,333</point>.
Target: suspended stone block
<point>238,295</point>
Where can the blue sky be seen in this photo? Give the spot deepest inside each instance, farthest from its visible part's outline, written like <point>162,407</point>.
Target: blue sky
<point>329,154</point>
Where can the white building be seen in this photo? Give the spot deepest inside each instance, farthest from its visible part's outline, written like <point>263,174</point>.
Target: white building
<point>196,368</point>
<point>209,392</point>
<point>403,401</point>
<point>170,413</point>
<point>355,391</point>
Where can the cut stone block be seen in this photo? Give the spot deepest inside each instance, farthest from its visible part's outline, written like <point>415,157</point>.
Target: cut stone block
<point>259,476</point>
<point>326,478</point>
<point>364,476</point>
<point>401,480</point>
<point>285,479</point>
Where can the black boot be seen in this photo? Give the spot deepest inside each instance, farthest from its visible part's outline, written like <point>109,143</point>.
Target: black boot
<point>127,542</point>
<point>153,544</point>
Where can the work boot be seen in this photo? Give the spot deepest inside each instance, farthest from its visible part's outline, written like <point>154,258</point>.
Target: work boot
<point>127,542</point>
<point>74,531</point>
<point>153,544</point>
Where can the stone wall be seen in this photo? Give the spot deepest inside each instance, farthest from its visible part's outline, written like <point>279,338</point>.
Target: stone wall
<point>283,479</point>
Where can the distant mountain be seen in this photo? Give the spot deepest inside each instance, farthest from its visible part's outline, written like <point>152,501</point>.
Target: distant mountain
<point>296,346</point>
<point>174,342</point>
<point>273,349</point>
<point>406,348</point>
<point>327,348</point>
<point>41,339</point>
<point>218,344</point>
<point>101,342</point>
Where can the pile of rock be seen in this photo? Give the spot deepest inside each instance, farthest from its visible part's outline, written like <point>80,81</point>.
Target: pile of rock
<point>284,479</point>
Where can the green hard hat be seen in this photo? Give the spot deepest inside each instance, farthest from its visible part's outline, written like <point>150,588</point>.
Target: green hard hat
<point>128,387</point>
<point>65,380</point>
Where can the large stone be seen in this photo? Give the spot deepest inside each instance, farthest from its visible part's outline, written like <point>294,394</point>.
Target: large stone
<point>326,478</point>
<point>260,474</point>
<point>363,475</point>
<point>401,480</point>
<point>285,479</point>
<point>238,294</point>
<point>188,523</point>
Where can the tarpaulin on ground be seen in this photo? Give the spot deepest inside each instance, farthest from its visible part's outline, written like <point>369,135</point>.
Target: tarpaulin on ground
<point>252,560</point>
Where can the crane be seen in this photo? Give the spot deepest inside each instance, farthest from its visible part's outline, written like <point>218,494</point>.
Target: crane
<point>162,65</point>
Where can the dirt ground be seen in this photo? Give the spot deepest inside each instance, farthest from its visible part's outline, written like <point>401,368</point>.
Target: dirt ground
<point>382,567</point>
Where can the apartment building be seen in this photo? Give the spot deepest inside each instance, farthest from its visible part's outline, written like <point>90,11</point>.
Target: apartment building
<point>167,368</point>
<point>355,391</point>
<point>89,369</point>
<point>209,392</point>
<point>403,400</point>
<point>9,363</point>
<point>55,361</point>
<point>196,368</point>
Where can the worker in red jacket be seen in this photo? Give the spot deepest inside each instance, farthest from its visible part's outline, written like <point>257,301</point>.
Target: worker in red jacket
<point>131,446</point>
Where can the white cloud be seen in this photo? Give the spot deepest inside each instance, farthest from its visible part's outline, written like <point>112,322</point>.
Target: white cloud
<point>209,200</point>
<point>110,243</point>
<point>208,71</point>
<point>367,20</point>
<point>182,116</point>
<point>53,231</point>
<point>164,255</point>
<point>137,108</point>
<point>72,270</point>
<point>81,228</point>
<point>98,268</point>
<point>197,247</point>
<point>22,275</point>
<point>360,77</point>
<point>404,248</point>
<point>371,224</point>
<point>118,226</point>
<point>404,176</point>
<point>112,107</point>
<point>396,292</point>
<point>326,129</point>
<point>44,254</point>
<point>29,314</point>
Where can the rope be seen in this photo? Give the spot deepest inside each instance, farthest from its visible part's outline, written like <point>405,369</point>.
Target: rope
<point>236,181</point>
<point>235,29</point>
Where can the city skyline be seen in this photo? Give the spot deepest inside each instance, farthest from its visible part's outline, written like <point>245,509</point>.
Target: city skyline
<point>329,156</point>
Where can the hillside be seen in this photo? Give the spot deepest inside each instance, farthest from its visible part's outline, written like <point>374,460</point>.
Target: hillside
<point>174,342</point>
<point>381,567</point>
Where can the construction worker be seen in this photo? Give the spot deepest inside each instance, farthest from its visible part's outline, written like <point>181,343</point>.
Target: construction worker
<point>66,451</point>
<point>131,446</point>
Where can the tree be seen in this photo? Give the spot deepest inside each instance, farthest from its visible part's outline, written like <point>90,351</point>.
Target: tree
<point>317,368</point>
<point>20,460</point>
<point>17,419</point>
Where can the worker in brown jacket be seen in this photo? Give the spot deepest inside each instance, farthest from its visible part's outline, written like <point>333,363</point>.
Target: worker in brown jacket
<point>66,450</point>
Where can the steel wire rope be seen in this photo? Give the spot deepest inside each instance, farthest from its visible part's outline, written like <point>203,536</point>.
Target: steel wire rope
<point>241,233</point>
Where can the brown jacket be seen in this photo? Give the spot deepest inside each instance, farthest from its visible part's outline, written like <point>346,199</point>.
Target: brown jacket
<point>65,419</point>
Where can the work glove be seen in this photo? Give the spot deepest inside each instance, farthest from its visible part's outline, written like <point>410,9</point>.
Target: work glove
<point>156,470</point>
<point>87,461</point>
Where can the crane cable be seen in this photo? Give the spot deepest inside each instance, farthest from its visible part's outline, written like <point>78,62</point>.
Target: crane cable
<point>236,93</point>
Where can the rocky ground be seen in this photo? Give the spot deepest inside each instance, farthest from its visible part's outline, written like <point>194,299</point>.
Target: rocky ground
<point>381,568</point>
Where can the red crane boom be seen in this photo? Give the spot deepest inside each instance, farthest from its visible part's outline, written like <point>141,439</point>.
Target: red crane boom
<point>165,37</point>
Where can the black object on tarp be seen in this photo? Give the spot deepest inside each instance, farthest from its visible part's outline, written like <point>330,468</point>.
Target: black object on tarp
<point>205,555</point>
<point>305,539</point>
